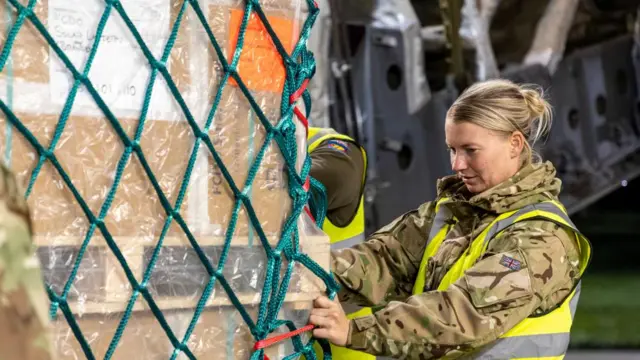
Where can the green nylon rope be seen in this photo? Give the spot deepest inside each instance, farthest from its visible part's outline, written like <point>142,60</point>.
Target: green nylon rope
<point>300,66</point>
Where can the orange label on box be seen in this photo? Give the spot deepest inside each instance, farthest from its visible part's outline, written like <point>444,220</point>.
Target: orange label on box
<point>261,66</point>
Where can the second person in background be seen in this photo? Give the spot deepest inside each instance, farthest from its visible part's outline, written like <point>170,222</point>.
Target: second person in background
<point>340,165</point>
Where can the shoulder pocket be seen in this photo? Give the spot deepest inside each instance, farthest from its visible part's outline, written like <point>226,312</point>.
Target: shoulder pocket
<point>499,282</point>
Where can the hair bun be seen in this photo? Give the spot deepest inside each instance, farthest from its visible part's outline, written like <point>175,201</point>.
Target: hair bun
<point>540,112</point>
<point>504,106</point>
<point>535,101</point>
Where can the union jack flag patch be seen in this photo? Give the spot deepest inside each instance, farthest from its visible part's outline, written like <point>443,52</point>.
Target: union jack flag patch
<point>510,263</point>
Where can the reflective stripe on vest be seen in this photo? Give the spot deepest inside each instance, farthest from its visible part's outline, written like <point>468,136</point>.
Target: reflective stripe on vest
<point>442,223</point>
<point>356,227</point>
<point>316,134</point>
<point>347,243</point>
<point>531,346</point>
<point>545,336</point>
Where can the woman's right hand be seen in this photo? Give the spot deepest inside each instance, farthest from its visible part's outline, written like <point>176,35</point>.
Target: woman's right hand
<point>330,321</point>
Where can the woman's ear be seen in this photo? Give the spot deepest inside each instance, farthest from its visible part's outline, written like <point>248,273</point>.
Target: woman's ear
<point>516,143</point>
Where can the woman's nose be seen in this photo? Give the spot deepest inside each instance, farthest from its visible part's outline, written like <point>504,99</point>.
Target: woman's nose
<point>458,163</point>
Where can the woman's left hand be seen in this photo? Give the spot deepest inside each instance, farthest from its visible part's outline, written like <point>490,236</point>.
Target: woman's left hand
<point>331,321</point>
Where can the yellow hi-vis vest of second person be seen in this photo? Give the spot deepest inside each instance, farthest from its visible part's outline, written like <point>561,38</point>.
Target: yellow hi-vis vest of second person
<point>537,337</point>
<point>347,235</point>
<point>343,237</point>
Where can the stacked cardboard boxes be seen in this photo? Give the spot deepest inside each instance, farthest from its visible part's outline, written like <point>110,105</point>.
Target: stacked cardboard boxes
<point>36,84</point>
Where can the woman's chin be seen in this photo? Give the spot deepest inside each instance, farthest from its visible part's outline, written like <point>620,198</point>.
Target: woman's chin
<point>474,187</point>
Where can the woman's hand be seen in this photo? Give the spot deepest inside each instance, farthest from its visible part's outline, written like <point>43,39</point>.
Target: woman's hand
<point>331,321</point>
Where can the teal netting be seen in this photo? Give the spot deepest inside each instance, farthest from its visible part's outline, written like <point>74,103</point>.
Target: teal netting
<point>300,67</point>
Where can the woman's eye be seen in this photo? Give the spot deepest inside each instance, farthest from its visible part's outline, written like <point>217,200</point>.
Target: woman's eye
<point>471,151</point>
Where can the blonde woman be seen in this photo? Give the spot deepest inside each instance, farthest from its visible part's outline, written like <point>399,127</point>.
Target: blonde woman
<point>488,270</point>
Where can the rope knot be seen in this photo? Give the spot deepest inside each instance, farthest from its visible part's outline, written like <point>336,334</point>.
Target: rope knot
<point>135,145</point>
<point>160,65</point>
<point>181,347</point>
<point>286,128</point>
<point>47,154</point>
<point>28,12</point>
<point>291,64</point>
<point>298,194</point>
<point>201,134</point>
<point>308,351</point>
<point>259,334</point>
<point>81,77</point>
<point>243,198</point>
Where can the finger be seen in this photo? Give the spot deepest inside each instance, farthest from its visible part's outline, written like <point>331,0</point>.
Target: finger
<point>324,302</point>
<point>320,312</point>
<point>335,315</point>
<point>321,321</point>
<point>321,333</point>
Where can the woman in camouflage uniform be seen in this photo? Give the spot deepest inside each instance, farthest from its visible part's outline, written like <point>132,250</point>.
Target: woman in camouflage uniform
<point>522,285</point>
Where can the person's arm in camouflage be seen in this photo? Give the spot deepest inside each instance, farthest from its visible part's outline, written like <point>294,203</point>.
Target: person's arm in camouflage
<point>385,266</point>
<point>24,319</point>
<point>339,166</point>
<point>485,303</point>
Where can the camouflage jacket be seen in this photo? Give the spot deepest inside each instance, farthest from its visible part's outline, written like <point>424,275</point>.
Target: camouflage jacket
<point>24,319</point>
<point>476,309</point>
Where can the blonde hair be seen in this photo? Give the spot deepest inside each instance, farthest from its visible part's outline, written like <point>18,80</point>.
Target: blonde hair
<point>505,107</point>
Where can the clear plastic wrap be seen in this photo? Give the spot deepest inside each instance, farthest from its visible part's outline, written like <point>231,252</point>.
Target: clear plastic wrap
<point>35,86</point>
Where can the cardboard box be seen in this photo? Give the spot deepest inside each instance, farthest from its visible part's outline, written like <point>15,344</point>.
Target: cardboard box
<point>35,85</point>
<point>90,148</point>
<point>219,333</point>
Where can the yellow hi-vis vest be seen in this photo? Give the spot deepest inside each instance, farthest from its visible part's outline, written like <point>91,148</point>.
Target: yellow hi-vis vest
<point>343,237</point>
<point>352,232</point>
<point>538,336</point>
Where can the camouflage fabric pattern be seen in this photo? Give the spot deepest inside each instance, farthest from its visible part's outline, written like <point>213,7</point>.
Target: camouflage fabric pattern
<point>527,269</point>
<point>24,319</point>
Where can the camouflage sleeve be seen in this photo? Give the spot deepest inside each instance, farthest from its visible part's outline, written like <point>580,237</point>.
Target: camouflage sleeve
<point>339,166</point>
<point>24,318</point>
<point>530,268</point>
<point>385,266</point>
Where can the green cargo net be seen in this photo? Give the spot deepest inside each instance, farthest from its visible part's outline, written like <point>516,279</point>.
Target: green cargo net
<point>300,67</point>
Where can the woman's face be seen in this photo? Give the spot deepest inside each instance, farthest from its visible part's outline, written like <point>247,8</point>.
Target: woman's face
<point>482,158</point>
